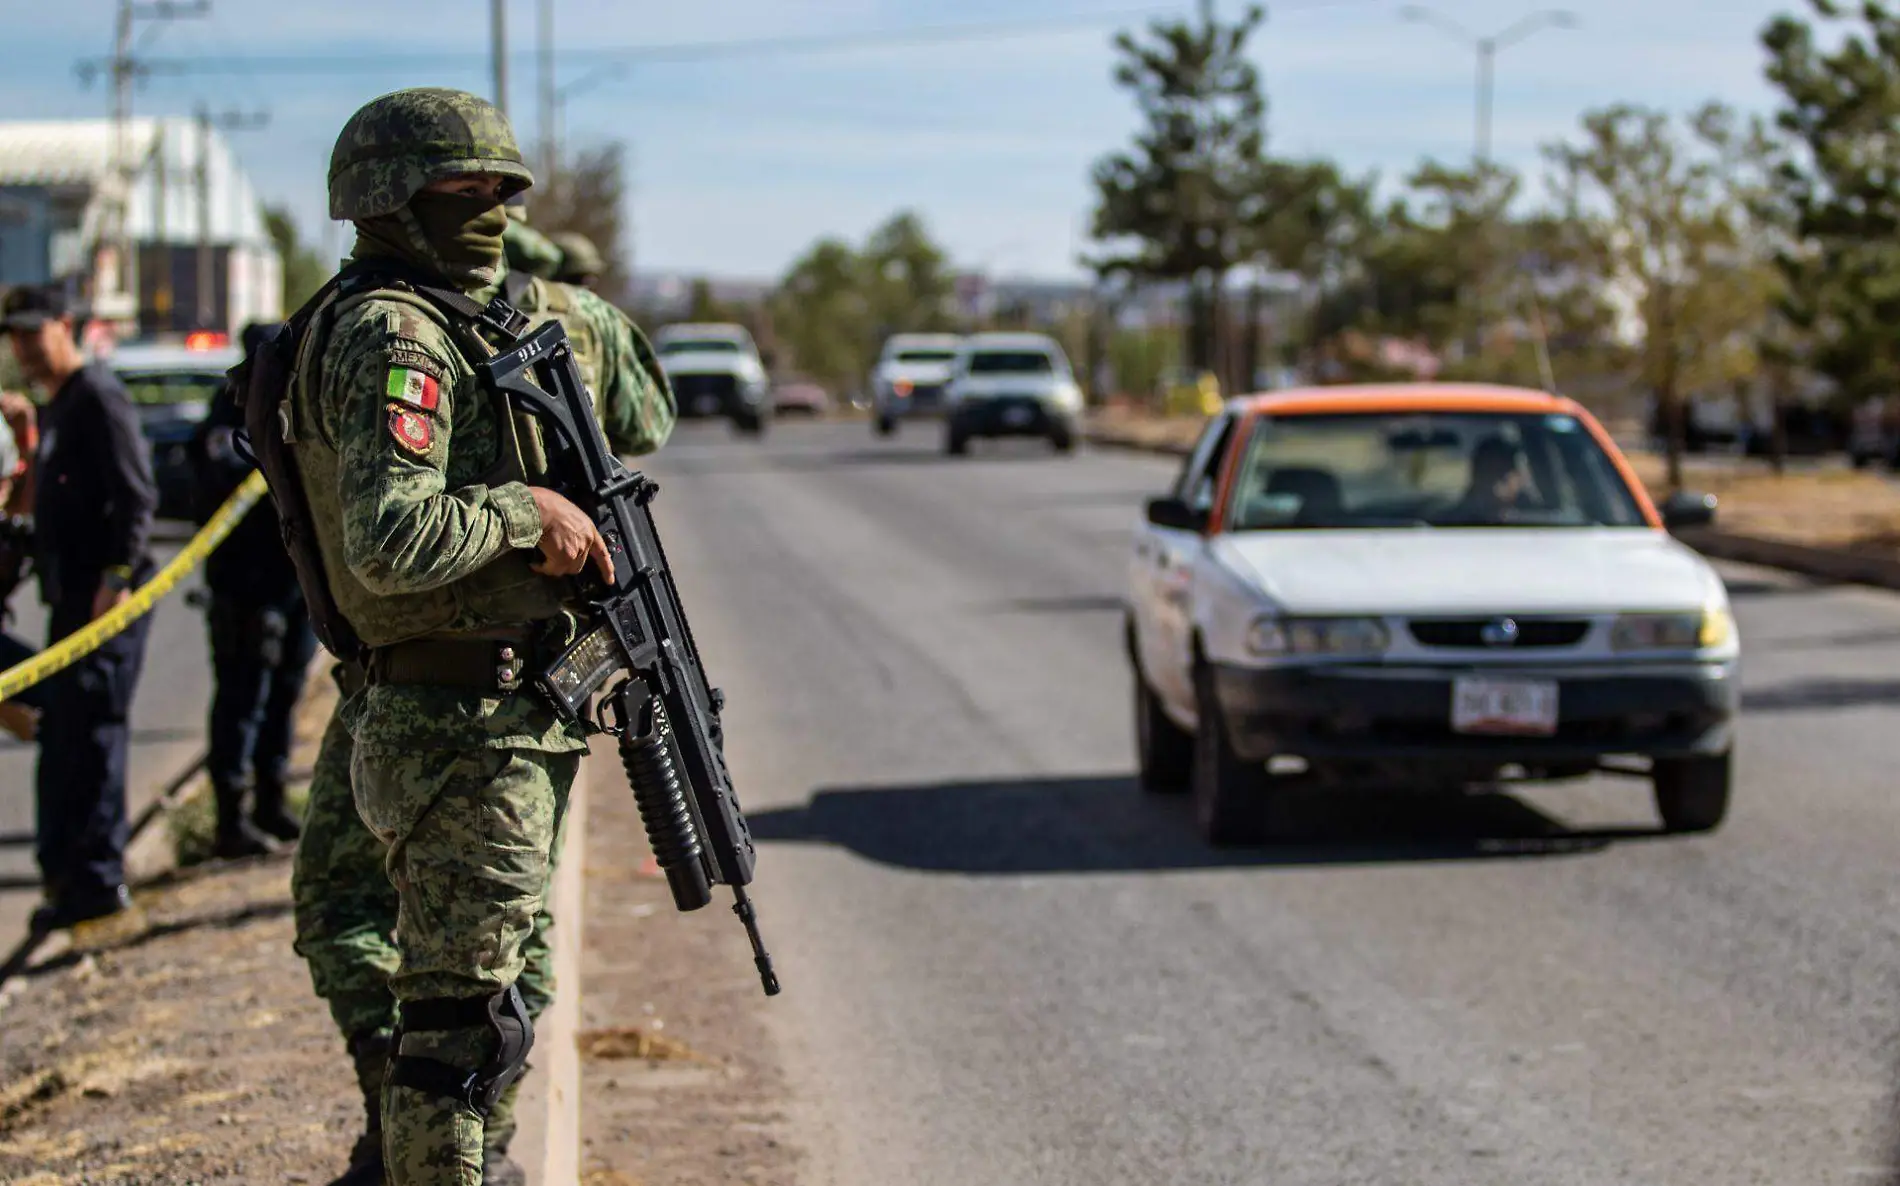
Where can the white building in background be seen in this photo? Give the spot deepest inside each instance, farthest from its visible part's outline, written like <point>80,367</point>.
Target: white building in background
<point>201,259</point>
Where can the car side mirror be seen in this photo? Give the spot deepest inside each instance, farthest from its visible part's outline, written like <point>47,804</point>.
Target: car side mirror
<point>1176,514</point>
<point>1686,508</point>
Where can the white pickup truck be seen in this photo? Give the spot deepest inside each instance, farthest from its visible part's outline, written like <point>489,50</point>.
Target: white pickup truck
<point>910,376</point>
<point>715,370</point>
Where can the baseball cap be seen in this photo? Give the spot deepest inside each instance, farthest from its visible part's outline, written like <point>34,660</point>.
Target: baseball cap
<point>33,305</point>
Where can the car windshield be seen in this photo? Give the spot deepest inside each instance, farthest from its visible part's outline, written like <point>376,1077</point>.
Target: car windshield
<point>1429,470</point>
<point>1011,362</point>
<point>699,346</point>
<point>925,355</point>
<point>170,387</point>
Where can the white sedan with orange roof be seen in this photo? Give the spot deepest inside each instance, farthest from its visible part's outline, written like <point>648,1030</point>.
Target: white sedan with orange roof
<point>1433,585</point>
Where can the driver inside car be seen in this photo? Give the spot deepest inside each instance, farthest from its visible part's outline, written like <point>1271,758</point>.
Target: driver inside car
<point>1498,483</point>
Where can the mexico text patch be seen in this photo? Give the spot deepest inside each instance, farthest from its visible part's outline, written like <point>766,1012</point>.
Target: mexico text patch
<point>415,388</point>
<point>412,430</point>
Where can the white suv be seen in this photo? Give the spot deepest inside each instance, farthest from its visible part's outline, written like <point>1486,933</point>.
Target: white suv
<point>1011,385</point>
<point>715,370</point>
<point>909,378</point>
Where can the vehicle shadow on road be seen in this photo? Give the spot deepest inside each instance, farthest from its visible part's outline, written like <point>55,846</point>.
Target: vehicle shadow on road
<point>1800,695</point>
<point>1106,824</point>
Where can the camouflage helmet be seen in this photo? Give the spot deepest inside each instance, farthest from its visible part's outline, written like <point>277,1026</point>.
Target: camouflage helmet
<point>397,144</point>
<point>579,256</point>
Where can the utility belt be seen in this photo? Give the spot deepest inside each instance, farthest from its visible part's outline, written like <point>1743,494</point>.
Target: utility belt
<point>497,664</point>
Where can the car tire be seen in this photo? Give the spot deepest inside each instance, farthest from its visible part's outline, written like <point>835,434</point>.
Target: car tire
<point>886,426</point>
<point>1164,750</point>
<point>1062,439</point>
<point>1692,793</point>
<point>1229,792</point>
<point>749,421</point>
<point>956,442</point>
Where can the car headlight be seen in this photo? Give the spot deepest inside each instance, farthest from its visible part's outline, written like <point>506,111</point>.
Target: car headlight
<point>1276,637</point>
<point>1700,630</point>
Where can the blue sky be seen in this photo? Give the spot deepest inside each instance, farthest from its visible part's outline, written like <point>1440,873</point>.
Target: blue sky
<point>738,164</point>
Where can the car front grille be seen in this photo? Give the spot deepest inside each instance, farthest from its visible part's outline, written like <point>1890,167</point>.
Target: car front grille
<point>1492,633</point>
<point>703,394</point>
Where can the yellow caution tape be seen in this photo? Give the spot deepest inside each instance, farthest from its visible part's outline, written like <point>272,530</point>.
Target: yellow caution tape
<point>93,635</point>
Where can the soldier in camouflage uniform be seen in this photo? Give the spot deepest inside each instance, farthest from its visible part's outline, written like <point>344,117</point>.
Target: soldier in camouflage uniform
<point>580,259</point>
<point>345,906</point>
<point>424,506</point>
<point>528,250</point>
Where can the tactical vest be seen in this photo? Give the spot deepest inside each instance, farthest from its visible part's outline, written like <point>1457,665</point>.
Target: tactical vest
<point>504,593</point>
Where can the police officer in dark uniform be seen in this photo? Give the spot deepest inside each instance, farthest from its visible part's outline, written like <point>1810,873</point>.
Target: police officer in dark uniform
<point>261,644</point>
<point>94,499</point>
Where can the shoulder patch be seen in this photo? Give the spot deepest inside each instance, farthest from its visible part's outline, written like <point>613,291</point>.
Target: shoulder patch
<point>412,430</point>
<point>412,385</point>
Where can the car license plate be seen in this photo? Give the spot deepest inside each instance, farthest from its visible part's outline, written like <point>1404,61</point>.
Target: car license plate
<point>706,405</point>
<point>1017,417</point>
<point>1521,707</point>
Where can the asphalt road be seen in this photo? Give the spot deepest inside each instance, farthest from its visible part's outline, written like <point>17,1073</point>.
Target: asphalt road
<point>168,728</point>
<point>1005,965</point>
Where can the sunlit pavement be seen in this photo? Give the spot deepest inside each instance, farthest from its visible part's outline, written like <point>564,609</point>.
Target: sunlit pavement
<point>1004,964</point>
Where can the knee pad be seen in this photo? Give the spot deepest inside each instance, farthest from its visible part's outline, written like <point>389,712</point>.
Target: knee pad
<point>503,1014</point>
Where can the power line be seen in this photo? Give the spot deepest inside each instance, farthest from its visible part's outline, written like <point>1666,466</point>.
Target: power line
<point>698,51</point>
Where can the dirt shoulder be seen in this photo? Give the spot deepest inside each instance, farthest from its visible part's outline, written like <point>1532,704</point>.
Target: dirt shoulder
<point>1829,508</point>
<point>681,1082</point>
<point>192,1053</point>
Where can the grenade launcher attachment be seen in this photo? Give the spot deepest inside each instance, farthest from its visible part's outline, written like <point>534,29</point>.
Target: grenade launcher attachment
<point>662,709</point>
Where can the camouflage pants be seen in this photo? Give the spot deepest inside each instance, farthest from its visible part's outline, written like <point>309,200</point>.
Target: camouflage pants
<point>346,911</point>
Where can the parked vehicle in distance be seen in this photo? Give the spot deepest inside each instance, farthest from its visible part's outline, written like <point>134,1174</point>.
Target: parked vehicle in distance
<point>1874,438</point>
<point>171,385</point>
<point>1011,384</point>
<point>909,378</point>
<point>802,398</point>
<point>1431,585</point>
<point>715,370</point>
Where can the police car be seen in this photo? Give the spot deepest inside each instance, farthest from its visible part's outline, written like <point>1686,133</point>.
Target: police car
<point>1430,586</point>
<point>171,385</point>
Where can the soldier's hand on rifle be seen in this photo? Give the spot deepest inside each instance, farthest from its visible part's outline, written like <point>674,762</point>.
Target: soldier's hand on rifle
<point>568,538</point>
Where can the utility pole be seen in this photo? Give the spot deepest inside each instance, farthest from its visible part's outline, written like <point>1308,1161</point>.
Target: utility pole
<point>207,305</point>
<point>545,37</point>
<point>113,264</point>
<point>498,47</point>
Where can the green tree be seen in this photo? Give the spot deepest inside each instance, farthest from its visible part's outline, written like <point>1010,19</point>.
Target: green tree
<point>836,304</point>
<point>1309,219</point>
<point>1657,205</point>
<point>1172,207</point>
<point>303,272</point>
<point>1837,190</point>
<point>822,317</point>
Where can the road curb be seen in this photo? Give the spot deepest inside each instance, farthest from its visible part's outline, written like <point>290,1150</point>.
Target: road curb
<point>550,1137</point>
<point>1829,564</point>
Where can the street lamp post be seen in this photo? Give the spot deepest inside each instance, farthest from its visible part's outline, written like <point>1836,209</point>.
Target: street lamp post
<point>1487,50</point>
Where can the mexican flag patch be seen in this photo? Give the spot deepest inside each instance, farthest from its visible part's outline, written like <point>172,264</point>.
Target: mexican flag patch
<point>412,387</point>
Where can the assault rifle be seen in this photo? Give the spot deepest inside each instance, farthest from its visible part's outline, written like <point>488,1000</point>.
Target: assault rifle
<point>663,711</point>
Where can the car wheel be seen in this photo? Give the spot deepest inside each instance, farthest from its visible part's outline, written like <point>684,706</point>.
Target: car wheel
<point>1164,750</point>
<point>1062,439</point>
<point>1229,792</point>
<point>1692,793</point>
<point>956,442</point>
<point>1859,460</point>
<point>749,421</point>
<point>886,426</point>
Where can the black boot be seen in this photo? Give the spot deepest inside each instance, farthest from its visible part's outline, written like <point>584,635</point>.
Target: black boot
<point>270,814</point>
<point>237,836</point>
<point>370,1053</point>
